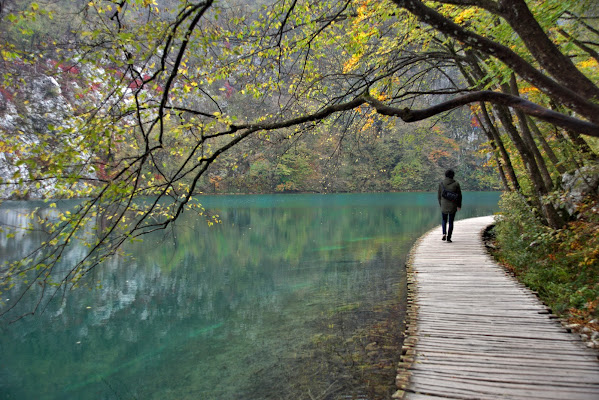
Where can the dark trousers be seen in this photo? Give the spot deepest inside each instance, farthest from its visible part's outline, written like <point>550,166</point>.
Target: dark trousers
<point>447,230</point>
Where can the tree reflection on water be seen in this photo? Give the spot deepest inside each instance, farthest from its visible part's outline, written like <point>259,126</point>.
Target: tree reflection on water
<point>290,297</point>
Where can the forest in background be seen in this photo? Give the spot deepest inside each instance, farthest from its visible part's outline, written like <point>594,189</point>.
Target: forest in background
<point>169,98</point>
<point>360,152</point>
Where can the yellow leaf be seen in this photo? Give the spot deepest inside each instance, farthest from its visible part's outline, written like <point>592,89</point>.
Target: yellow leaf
<point>588,63</point>
<point>529,89</point>
<point>351,63</point>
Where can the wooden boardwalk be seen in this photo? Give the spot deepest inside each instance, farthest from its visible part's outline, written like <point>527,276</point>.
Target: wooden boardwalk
<point>474,332</point>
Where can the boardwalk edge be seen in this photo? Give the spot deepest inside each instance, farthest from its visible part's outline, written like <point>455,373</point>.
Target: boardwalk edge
<point>408,351</point>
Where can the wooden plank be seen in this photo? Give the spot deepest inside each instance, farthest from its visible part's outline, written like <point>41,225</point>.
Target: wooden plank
<point>466,357</point>
<point>419,396</point>
<point>492,380</point>
<point>476,333</point>
<point>511,365</point>
<point>514,375</point>
<point>514,319</point>
<point>566,374</point>
<point>491,347</point>
<point>487,314</point>
<point>487,389</point>
<point>456,331</point>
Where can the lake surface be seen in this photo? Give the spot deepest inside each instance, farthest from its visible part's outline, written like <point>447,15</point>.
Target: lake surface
<point>291,296</point>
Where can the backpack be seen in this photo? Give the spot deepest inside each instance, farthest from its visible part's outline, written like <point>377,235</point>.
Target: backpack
<point>449,195</point>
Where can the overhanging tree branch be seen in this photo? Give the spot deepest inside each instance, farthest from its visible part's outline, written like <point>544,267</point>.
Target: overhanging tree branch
<point>528,107</point>
<point>560,93</point>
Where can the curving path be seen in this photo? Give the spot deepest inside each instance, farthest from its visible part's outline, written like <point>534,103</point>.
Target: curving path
<point>474,332</point>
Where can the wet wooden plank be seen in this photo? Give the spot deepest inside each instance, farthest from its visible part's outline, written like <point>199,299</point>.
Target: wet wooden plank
<point>473,332</point>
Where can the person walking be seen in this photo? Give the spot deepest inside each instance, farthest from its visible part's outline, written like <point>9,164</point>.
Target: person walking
<point>450,201</point>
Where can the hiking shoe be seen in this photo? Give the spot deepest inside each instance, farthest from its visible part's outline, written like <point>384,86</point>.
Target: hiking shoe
<point>444,237</point>
<point>449,240</point>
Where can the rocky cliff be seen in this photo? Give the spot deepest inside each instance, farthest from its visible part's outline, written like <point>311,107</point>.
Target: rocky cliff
<point>29,112</point>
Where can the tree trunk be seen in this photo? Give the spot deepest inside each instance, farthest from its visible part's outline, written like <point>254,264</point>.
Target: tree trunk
<point>507,163</point>
<point>582,145</point>
<point>472,78</point>
<point>496,154</point>
<point>576,138</point>
<point>546,147</point>
<point>557,64</point>
<point>527,135</point>
<point>552,218</point>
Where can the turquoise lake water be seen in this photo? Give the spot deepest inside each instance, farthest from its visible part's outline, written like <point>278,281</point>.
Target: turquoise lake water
<point>273,303</point>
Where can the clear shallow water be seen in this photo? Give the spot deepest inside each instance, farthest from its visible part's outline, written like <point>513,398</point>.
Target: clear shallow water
<point>264,305</point>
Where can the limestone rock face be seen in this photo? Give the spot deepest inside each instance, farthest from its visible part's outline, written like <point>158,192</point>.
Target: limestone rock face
<point>579,184</point>
<point>26,114</point>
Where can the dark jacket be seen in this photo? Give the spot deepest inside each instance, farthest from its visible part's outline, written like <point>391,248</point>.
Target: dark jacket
<point>447,206</point>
